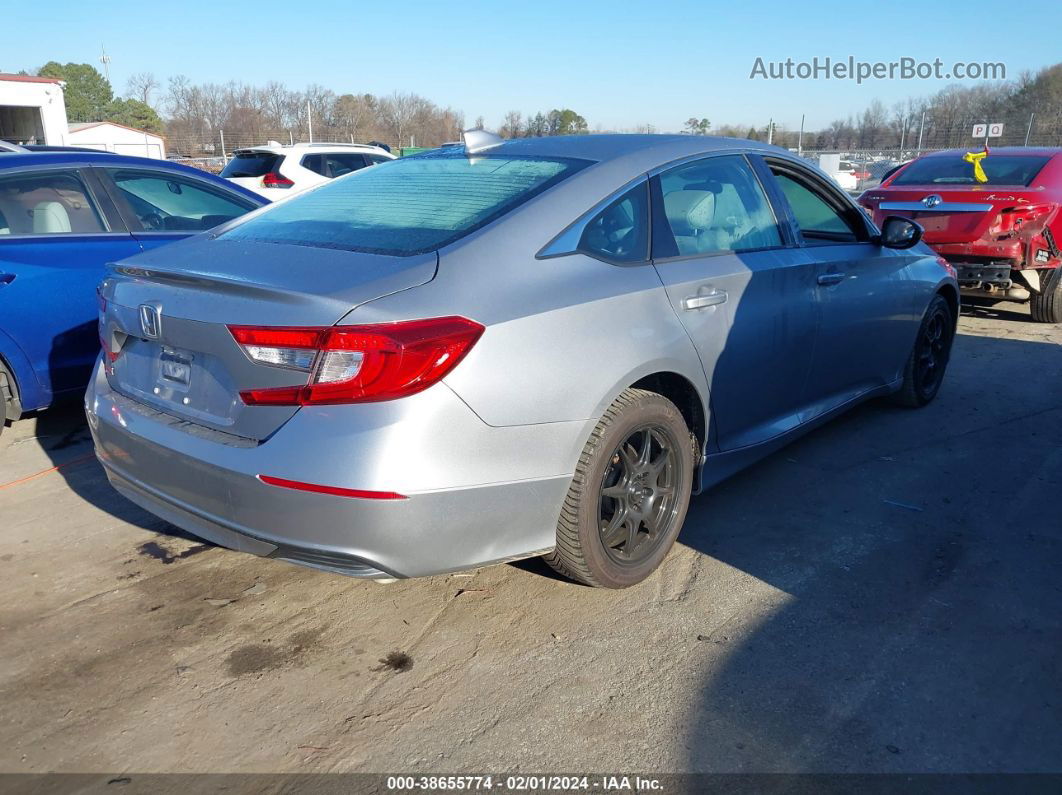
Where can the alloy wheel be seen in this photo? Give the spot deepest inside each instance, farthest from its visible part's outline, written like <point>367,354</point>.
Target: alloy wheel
<point>638,502</point>
<point>933,352</point>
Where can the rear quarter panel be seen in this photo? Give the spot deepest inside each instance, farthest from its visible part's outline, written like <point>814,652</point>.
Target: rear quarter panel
<point>564,335</point>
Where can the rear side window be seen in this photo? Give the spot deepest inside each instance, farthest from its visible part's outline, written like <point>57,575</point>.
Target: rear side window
<point>252,164</point>
<point>714,205</point>
<point>953,170</point>
<point>620,232</point>
<point>410,205</point>
<point>314,163</point>
<point>167,203</point>
<point>47,203</point>
<point>338,165</point>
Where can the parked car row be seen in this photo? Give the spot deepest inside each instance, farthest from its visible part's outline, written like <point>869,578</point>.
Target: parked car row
<point>493,350</point>
<point>505,349</point>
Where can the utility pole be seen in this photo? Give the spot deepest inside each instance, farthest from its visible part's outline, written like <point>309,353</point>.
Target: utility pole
<point>800,138</point>
<point>105,59</point>
<point>770,131</point>
<point>1028,131</point>
<point>921,129</point>
<point>309,120</point>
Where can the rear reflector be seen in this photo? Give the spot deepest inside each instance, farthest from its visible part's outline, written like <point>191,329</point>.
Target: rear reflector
<point>357,364</point>
<point>333,490</point>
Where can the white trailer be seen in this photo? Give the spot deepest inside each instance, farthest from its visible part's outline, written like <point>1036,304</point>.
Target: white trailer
<point>32,110</point>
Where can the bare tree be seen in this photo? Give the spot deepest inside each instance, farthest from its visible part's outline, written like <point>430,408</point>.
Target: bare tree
<point>141,85</point>
<point>398,112</point>
<point>512,125</point>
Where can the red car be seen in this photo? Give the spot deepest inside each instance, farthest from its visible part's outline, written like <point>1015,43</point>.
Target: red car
<point>1000,232</point>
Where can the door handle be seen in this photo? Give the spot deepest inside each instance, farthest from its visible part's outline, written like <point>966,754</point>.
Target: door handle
<point>708,299</point>
<point>833,277</point>
<point>6,278</point>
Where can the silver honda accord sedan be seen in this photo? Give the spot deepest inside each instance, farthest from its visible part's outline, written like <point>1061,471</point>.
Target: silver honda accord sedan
<point>487,352</point>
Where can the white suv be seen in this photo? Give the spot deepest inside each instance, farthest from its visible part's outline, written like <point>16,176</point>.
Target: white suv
<point>276,170</point>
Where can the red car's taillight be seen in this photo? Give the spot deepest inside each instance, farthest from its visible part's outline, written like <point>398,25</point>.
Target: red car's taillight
<point>274,180</point>
<point>1030,219</point>
<point>357,364</point>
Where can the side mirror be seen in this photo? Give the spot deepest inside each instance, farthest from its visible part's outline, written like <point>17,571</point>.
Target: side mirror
<point>898,232</point>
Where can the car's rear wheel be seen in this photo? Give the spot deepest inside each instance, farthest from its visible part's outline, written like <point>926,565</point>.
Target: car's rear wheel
<point>629,495</point>
<point>925,368</point>
<point>6,410</point>
<point>1046,305</point>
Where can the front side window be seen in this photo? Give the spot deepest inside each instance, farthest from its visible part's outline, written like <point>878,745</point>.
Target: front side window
<point>164,203</point>
<point>47,203</point>
<point>715,205</point>
<point>620,232</point>
<point>410,206</point>
<point>819,220</point>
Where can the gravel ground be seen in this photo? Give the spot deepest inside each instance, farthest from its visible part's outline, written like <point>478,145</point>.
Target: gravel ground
<point>884,595</point>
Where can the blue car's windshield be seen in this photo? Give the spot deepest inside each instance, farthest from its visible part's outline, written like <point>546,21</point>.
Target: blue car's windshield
<point>410,205</point>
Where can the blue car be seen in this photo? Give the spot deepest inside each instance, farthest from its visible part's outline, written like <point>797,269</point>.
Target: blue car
<point>63,216</point>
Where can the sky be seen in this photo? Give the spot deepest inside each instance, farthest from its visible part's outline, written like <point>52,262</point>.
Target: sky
<point>620,65</point>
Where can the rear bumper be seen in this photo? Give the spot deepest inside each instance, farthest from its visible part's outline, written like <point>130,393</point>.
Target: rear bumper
<point>452,518</point>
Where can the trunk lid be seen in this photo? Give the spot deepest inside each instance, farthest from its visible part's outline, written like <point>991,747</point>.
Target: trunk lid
<point>954,215</point>
<point>166,314</point>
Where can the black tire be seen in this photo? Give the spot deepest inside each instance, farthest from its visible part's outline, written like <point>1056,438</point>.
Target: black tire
<point>6,411</point>
<point>924,372</point>
<point>1046,305</point>
<point>642,452</point>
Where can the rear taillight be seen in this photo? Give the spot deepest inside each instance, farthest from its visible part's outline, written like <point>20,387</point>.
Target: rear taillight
<point>112,348</point>
<point>274,180</point>
<point>1029,219</point>
<point>357,364</point>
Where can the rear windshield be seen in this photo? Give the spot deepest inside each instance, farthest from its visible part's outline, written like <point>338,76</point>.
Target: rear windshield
<point>251,164</point>
<point>410,205</point>
<point>953,170</point>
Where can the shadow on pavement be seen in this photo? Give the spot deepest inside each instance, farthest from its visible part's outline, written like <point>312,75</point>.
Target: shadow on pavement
<point>911,585</point>
<point>63,433</point>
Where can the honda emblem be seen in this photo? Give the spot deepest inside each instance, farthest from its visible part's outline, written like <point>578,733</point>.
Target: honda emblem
<point>150,321</point>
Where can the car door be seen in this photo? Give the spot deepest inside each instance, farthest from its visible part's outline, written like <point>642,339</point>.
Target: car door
<point>863,289</point>
<point>744,293</point>
<point>161,206</point>
<point>58,230</point>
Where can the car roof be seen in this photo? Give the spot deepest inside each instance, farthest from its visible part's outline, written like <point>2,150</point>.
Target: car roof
<point>279,149</point>
<point>93,157</point>
<point>614,145</point>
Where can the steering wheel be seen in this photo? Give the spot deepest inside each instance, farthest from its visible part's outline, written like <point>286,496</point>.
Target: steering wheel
<point>152,221</point>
